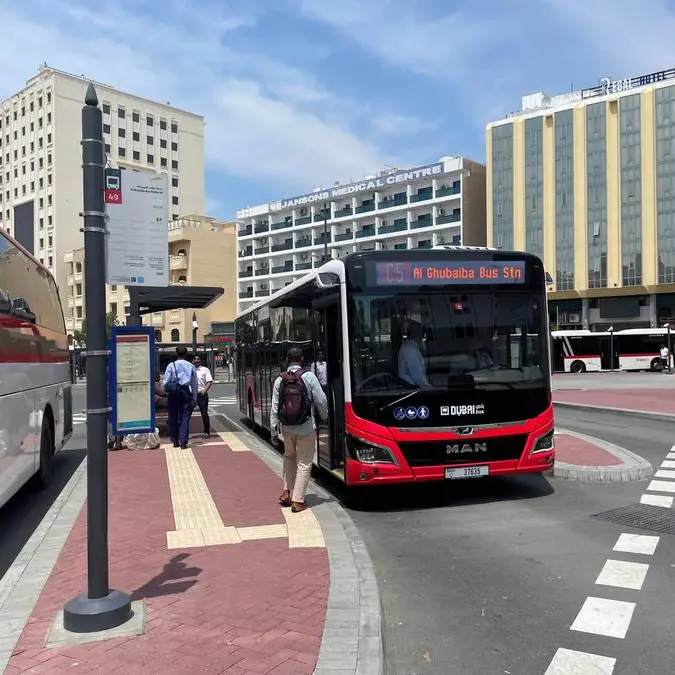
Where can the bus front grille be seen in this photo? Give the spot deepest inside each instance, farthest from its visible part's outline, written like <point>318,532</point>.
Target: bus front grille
<point>464,451</point>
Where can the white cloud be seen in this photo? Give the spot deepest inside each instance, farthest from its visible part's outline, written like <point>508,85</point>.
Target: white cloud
<point>402,125</point>
<point>265,119</point>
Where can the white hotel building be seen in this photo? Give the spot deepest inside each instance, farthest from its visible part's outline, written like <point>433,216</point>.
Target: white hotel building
<point>420,207</point>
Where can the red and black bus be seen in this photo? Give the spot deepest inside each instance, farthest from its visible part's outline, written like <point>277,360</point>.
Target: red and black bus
<point>475,319</point>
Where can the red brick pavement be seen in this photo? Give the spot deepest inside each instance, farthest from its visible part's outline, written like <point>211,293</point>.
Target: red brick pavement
<point>574,450</point>
<point>243,609</point>
<point>648,400</point>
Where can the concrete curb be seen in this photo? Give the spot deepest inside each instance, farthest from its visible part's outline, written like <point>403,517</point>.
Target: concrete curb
<point>632,468</point>
<point>23,582</point>
<point>640,414</point>
<point>353,637</point>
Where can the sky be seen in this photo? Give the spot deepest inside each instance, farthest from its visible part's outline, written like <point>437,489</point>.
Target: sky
<point>302,93</point>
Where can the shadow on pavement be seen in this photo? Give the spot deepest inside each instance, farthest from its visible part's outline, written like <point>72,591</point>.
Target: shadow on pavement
<point>176,577</point>
<point>427,495</point>
<point>23,513</point>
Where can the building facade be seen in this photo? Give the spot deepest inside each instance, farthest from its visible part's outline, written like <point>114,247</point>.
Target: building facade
<point>442,203</point>
<point>202,252</point>
<point>586,180</point>
<point>41,158</point>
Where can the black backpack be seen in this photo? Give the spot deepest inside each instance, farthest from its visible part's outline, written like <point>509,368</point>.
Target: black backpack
<point>295,406</point>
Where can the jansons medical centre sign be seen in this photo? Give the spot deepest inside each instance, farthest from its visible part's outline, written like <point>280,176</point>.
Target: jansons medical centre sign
<point>339,191</point>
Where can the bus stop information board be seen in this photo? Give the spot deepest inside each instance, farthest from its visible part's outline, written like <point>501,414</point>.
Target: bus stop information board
<point>132,380</point>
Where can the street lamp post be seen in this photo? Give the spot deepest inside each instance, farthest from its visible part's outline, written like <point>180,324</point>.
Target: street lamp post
<point>611,347</point>
<point>101,608</point>
<point>667,326</point>
<point>195,326</point>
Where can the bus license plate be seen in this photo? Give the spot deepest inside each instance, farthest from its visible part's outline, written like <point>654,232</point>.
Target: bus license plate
<point>455,472</point>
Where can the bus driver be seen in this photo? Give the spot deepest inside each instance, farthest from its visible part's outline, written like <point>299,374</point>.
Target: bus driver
<point>411,366</point>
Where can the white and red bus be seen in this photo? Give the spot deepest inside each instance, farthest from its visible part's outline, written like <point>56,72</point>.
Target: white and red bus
<point>485,408</point>
<point>35,380</point>
<point>581,351</point>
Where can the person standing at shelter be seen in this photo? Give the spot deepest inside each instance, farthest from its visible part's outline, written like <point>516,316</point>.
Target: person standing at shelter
<point>296,393</point>
<point>204,382</point>
<point>180,385</point>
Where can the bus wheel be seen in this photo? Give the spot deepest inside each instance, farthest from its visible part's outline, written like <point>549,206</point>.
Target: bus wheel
<point>578,367</point>
<point>46,470</point>
<point>655,366</point>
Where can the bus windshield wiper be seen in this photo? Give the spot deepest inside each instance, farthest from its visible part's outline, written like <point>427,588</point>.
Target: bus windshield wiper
<point>399,400</point>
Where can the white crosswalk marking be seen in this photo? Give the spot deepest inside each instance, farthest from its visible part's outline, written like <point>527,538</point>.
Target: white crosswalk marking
<point>222,400</point>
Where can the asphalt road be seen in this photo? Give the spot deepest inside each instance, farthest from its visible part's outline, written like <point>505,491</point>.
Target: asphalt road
<point>484,577</point>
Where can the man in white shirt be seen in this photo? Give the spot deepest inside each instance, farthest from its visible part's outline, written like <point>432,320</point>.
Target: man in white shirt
<point>320,370</point>
<point>204,382</point>
<point>665,360</point>
<point>180,384</point>
<point>411,366</point>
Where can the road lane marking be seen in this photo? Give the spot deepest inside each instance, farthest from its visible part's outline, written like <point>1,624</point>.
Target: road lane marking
<point>600,616</point>
<point>661,486</point>
<point>670,455</point>
<point>657,500</point>
<point>664,473</point>
<point>569,662</point>
<point>668,464</point>
<point>636,543</point>
<point>623,574</point>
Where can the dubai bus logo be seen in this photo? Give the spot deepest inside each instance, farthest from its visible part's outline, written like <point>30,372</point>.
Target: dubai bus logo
<point>459,410</point>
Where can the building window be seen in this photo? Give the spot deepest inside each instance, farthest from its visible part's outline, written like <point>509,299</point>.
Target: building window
<point>502,186</point>
<point>149,121</point>
<point>174,147</point>
<point>158,336</point>
<point>174,200</point>
<point>151,159</point>
<point>49,97</point>
<point>106,128</point>
<point>135,116</point>
<point>135,136</point>
<point>151,140</point>
<point>665,184</point>
<point>174,127</point>
<point>174,181</point>
<point>137,156</point>
<point>122,152</point>
<point>631,190</point>
<point>106,108</point>
<point>534,186</point>
<point>162,125</point>
<point>162,142</point>
<point>121,113</point>
<point>162,161</point>
<point>122,133</point>
<point>596,194</point>
<point>174,164</point>
<point>175,335</point>
<point>107,148</point>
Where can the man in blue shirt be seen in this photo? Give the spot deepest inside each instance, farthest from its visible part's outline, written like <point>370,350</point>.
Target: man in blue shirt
<point>411,365</point>
<point>182,395</point>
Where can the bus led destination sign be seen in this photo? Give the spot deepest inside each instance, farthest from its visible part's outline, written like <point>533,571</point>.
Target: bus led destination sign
<point>452,272</point>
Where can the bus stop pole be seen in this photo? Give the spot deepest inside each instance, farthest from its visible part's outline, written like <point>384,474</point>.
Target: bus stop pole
<point>100,608</point>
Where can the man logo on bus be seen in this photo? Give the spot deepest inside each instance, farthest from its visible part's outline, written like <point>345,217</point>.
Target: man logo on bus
<point>474,409</point>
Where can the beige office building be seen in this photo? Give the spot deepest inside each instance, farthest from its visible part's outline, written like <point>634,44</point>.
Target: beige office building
<point>41,159</point>
<point>202,252</point>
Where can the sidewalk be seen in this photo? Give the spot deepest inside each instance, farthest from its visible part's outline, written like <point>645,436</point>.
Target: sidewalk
<point>588,459</point>
<point>223,579</point>
<point>652,403</point>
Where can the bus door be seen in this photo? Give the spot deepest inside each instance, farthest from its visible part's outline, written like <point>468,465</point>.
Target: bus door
<point>609,353</point>
<point>329,341</point>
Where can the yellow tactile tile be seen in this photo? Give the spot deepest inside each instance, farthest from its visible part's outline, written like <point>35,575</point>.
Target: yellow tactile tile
<point>216,536</point>
<point>184,539</point>
<point>304,530</point>
<point>263,532</point>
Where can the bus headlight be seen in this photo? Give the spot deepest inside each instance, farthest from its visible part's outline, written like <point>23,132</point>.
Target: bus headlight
<point>367,452</point>
<point>544,443</point>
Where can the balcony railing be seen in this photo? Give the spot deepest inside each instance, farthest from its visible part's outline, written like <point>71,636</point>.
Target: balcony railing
<point>280,269</point>
<point>261,227</point>
<point>388,202</point>
<point>261,250</point>
<point>345,236</point>
<point>281,224</point>
<point>246,294</point>
<point>366,232</point>
<point>245,231</point>
<point>364,208</point>
<point>449,218</point>
<point>262,271</point>
<point>304,266</point>
<point>426,221</point>
<point>397,226</point>
<point>322,239</point>
<point>247,251</point>
<point>422,195</point>
<point>262,293</point>
<point>318,217</point>
<point>245,274</point>
<point>447,191</point>
<point>178,262</point>
<point>282,247</point>
<point>303,243</point>
<point>305,220</point>
<point>342,213</point>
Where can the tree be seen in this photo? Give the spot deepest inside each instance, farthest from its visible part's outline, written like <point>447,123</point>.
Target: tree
<point>80,335</point>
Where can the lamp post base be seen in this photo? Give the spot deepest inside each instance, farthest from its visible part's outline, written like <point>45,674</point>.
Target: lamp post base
<point>90,615</point>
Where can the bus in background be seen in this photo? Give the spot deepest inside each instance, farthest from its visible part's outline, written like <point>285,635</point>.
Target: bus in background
<point>36,416</point>
<point>581,351</point>
<point>478,319</point>
<point>577,351</point>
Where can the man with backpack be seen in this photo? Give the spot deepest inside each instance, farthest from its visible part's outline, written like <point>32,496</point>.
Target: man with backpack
<point>180,386</point>
<point>296,393</point>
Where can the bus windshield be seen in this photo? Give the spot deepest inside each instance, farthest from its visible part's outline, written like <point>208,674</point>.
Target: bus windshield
<point>448,341</point>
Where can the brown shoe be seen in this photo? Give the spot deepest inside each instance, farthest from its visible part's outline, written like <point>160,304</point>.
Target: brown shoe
<point>285,499</point>
<point>298,507</point>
